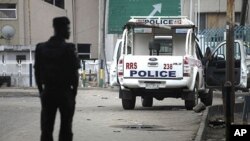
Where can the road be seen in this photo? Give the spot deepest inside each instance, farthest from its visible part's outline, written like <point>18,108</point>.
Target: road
<point>99,117</point>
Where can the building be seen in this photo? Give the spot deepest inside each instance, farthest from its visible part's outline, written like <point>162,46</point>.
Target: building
<point>207,14</point>
<point>31,22</point>
<point>32,19</point>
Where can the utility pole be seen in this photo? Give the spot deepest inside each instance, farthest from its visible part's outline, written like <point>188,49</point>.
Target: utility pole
<point>30,47</point>
<point>243,12</point>
<point>229,91</point>
<point>191,10</point>
<point>74,24</point>
<point>100,43</point>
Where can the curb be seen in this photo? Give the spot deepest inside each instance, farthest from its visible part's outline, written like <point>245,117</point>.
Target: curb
<point>203,123</point>
<point>210,112</point>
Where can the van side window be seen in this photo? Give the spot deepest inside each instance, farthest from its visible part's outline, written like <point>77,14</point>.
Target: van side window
<point>198,51</point>
<point>247,47</point>
<point>220,53</point>
<point>119,51</point>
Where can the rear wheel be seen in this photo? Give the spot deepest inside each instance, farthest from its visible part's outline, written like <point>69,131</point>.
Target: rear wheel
<point>128,104</point>
<point>147,101</point>
<point>128,100</point>
<point>189,104</point>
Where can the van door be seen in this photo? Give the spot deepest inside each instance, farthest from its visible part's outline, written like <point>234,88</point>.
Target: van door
<point>216,66</point>
<point>113,67</point>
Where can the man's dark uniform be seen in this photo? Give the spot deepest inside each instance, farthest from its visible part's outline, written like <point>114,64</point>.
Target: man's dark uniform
<point>56,71</point>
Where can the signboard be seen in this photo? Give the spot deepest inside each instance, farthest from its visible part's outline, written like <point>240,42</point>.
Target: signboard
<point>152,20</point>
<point>120,11</point>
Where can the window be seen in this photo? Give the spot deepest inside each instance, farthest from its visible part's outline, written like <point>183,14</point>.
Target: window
<point>83,51</point>
<point>247,49</point>
<point>220,53</point>
<point>166,46</point>
<point>215,20</point>
<point>58,3</point>
<point>20,58</point>
<point>130,42</point>
<point>8,11</point>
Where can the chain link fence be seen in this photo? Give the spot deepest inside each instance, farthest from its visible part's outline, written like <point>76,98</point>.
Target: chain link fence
<point>212,37</point>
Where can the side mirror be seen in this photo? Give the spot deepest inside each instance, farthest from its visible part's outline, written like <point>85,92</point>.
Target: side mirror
<point>220,57</point>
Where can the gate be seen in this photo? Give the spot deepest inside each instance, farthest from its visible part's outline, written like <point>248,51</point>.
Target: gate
<point>212,37</point>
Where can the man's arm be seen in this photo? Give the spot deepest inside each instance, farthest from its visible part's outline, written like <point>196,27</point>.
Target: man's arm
<point>75,67</point>
<point>37,66</point>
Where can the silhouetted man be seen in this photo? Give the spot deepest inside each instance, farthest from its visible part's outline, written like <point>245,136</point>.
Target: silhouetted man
<point>56,72</point>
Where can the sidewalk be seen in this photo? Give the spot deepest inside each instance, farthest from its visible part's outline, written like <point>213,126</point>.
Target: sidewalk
<point>17,92</point>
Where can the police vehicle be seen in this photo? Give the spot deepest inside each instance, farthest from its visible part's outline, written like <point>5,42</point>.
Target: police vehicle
<point>158,57</point>
<point>216,66</point>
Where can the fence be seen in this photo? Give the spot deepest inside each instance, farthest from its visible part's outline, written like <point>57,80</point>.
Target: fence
<point>90,72</point>
<point>212,37</point>
<point>19,72</point>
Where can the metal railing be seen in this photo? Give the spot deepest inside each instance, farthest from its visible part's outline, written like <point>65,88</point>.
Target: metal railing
<point>19,72</point>
<point>212,37</point>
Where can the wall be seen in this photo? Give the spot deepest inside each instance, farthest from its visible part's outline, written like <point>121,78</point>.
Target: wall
<point>42,14</point>
<point>88,24</point>
<point>209,6</point>
<point>34,21</point>
<point>13,23</point>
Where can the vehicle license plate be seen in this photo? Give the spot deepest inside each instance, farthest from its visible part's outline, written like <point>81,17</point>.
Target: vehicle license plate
<point>152,86</point>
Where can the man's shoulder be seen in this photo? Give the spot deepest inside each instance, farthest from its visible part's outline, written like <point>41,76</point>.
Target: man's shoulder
<point>40,45</point>
<point>70,46</point>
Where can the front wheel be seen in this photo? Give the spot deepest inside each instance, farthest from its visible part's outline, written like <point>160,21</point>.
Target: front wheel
<point>189,104</point>
<point>207,99</point>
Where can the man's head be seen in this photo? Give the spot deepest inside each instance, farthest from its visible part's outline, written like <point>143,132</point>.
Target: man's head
<point>61,27</point>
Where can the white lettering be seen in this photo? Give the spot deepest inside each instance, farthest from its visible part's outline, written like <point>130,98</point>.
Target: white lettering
<point>161,21</point>
<point>243,131</point>
<point>153,74</point>
<point>239,132</point>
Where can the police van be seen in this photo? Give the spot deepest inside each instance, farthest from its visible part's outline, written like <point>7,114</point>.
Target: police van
<point>158,57</point>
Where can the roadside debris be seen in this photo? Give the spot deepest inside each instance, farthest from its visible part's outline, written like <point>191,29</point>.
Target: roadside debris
<point>199,107</point>
<point>217,123</point>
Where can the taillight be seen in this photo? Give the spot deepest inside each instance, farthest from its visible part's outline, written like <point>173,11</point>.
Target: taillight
<point>120,68</point>
<point>120,61</point>
<point>186,67</point>
<point>185,60</point>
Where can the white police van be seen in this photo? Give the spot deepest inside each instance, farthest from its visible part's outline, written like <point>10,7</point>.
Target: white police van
<point>158,57</point>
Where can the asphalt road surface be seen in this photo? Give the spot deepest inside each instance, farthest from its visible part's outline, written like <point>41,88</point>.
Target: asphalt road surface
<point>99,116</point>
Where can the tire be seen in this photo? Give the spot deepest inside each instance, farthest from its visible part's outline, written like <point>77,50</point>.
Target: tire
<point>189,104</point>
<point>147,101</point>
<point>128,99</point>
<point>208,98</point>
<point>128,104</point>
